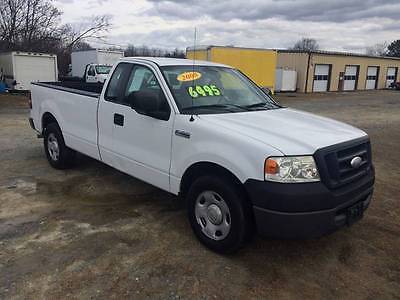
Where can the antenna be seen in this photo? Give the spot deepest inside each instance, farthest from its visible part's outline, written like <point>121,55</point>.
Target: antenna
<point>194,49</point>
<point>194,61</point>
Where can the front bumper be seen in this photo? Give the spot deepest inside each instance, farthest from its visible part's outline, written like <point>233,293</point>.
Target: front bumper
<point>305,210</point>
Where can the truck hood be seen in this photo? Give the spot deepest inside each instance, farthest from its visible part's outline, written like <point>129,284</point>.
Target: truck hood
<point>290,131</point>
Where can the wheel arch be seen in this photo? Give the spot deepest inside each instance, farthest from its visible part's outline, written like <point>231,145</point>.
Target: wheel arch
<point>47,119</point>
<point>206,168</point>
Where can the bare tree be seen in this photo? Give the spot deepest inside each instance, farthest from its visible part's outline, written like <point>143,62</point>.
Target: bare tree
<point>394,49</point>
<point>131,50</point>
<point>10,20</point>
<point>81,46</point>
<point>94,29</point>
<point>34,25</point>
<point>40,17</point>
<point>379,49</point>
<point>23,23</point>
<point>306,44</point>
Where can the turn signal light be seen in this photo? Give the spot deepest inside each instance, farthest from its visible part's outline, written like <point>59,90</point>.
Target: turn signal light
<point>271,166</point>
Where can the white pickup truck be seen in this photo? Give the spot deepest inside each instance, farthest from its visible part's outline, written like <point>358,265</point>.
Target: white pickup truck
<point>96,73</point>
<point>206,132</point>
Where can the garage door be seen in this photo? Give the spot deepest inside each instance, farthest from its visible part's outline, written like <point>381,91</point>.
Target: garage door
<point>350,78</point>
<point>321,78</point>
<point>391,76</point>
<point>372,77</point>
<point>32,68</point>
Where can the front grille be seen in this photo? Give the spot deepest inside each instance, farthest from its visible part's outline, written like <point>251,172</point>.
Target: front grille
<point>334,162</point>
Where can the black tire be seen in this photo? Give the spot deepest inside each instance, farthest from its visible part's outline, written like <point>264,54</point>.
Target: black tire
<point>240,219</point>
<point>66,156</point>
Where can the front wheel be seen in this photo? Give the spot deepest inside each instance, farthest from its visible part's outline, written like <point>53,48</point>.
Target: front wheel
<point>57,153</point>
<point>217,213</point>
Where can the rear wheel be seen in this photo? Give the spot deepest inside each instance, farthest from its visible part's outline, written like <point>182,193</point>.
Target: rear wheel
<point>57,153</point>
<point>217,213</point>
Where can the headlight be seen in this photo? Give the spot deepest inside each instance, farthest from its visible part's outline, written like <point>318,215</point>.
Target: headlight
<point>295,169</point>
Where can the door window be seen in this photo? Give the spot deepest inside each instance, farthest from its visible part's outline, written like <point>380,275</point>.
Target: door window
<point>142,81</point>
<point>115,89</point>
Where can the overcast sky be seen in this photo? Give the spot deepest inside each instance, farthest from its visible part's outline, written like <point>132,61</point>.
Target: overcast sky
<point>344,25</point>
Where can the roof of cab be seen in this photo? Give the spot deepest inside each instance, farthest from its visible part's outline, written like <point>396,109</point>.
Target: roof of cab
<point>166,61</point>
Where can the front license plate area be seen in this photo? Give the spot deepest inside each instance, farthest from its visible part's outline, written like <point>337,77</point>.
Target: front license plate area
<point>355,213</point>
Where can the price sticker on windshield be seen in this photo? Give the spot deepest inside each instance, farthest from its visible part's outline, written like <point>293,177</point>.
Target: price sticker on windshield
<point>204,91</point>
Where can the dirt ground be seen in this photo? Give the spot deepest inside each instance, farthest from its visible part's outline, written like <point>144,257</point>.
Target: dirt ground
<point>93,232</point>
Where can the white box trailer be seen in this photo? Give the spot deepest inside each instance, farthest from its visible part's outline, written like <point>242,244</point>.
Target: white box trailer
<point>286,80</point>
<point>19,69</point>
<point>80,59</point>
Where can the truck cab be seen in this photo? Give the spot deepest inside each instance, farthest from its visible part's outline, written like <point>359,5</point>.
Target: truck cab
<point>96,73</point>
<point>205,132</point>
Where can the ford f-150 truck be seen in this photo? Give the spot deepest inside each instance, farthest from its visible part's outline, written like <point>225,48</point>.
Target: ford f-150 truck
<point>206,132</point>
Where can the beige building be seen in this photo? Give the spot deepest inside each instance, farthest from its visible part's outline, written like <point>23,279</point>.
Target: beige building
<point>321,71</point>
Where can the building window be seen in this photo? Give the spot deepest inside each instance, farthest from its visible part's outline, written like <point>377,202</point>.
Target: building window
<point>321,77</point>
<point>350,77</point>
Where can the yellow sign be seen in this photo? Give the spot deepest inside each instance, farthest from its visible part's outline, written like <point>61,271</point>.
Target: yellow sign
<point>189,76</point>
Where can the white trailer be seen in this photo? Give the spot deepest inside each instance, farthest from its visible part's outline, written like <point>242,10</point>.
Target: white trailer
<point>80,59</point>
<point>19,69</point>
<point>285,80</point>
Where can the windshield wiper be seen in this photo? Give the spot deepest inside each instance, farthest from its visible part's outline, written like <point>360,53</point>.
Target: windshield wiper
<point>223,106</point>
<point>237,106</point>
<point>261,105</point>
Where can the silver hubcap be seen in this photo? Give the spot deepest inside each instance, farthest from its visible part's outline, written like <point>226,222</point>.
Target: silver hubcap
<point>213,215</point>
<point>52,147</point>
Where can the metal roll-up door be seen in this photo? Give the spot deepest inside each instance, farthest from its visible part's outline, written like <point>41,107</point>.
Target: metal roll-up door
<point>390,76</point>
<point>372,77</point>
<point>321,78</point>
<point>350,78</point>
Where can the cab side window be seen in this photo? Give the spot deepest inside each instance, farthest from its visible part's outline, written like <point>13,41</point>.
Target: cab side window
<point>115,88</point>
<point>142,82</point>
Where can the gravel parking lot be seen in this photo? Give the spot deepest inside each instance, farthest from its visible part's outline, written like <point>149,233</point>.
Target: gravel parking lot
<point>95,232</point>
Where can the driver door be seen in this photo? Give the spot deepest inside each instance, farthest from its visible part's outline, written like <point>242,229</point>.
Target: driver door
<point>129,141</point>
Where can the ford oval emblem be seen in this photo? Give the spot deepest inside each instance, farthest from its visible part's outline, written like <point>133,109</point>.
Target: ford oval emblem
<point>356,162</point>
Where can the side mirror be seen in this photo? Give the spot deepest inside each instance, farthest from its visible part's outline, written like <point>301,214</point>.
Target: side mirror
<point>148,103</point>
<point>267,91</point>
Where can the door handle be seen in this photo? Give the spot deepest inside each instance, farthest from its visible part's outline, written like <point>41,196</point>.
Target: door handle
<point>182,133</point>
<point>118,119</point>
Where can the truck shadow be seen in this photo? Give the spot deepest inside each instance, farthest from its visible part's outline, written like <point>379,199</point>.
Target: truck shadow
<point>101,217</point>
<point>130,192</point>
<point>100,195</point>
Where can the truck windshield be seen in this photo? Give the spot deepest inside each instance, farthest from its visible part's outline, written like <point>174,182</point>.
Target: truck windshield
<point>103,69</point>
<point>211,90</point>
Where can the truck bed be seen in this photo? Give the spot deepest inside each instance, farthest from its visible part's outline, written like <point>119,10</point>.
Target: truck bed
<point>74,105</point>
<point>76,87</point>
